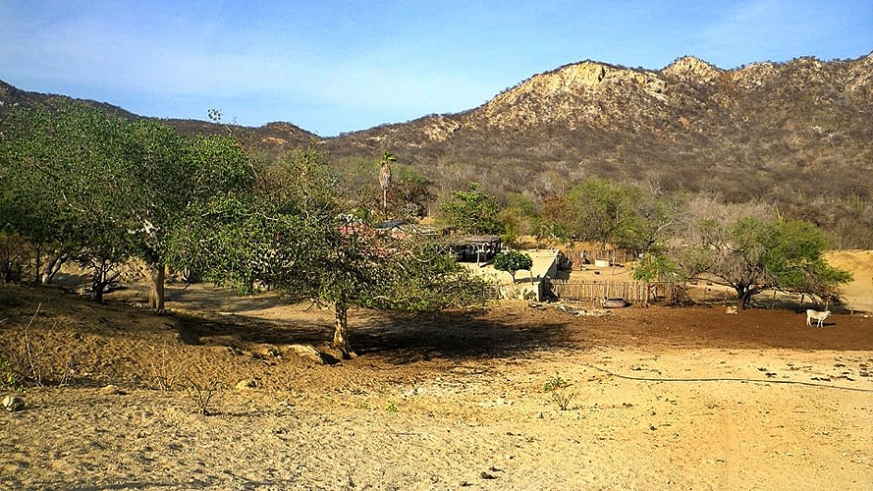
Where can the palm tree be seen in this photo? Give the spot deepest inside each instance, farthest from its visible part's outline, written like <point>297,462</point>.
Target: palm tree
<point>385,178</point>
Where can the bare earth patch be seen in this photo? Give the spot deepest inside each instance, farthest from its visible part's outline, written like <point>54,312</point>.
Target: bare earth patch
<point>660,398</point>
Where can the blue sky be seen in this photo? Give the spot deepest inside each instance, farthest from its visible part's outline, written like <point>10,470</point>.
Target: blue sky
<point>334,66</point>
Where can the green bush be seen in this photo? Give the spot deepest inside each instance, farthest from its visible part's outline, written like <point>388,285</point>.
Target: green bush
<point>512,262</point>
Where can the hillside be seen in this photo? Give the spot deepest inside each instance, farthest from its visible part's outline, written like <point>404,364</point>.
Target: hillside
<point>749,133</point>
<point>271,137</point>
<point>795,134</point>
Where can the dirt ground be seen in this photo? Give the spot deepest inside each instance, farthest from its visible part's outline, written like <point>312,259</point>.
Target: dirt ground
<point>658,398</point>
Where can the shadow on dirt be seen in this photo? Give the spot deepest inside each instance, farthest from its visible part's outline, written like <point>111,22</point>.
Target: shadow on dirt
<point>213,299</point>
<point>396,338</point>
<point>405,338</point>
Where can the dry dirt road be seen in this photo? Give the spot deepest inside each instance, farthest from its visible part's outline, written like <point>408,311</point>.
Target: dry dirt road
<point>659,398</point>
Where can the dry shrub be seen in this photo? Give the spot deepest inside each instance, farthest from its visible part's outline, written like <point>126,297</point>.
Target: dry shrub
<point>166,372</point>
<point>203,394</point>
<point>42,357</point>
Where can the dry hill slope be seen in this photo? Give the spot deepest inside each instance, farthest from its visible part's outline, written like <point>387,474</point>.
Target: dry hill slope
<point>775,127</point>
<point>796,134</point>
<point>271,137</point>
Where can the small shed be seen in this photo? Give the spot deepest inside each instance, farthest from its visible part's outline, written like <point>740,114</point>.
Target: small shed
<point>480,249</point>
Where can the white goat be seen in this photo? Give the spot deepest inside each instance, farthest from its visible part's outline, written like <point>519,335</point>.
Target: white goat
<point>818,316</point>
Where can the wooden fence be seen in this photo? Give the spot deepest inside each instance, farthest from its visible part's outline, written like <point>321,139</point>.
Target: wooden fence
<point>594,291</point>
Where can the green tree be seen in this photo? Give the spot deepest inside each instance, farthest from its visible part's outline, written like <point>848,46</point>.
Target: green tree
<point>161,175</point>
<point>296,235</point>
<point>601,210</point>
<point>472,212</point>
<point>512,262</point>
<point>518,217</point>
<point>555,220</point>
<point>409,195</point>
<point>59,160</point>
<point>753,255</point>
<point>652,221</point>
<point>91,186</point>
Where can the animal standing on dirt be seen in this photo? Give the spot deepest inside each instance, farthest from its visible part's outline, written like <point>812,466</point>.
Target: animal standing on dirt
<point>818,316</point>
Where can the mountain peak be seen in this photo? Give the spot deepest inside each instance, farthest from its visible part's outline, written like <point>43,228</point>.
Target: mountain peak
<point>692,67</point>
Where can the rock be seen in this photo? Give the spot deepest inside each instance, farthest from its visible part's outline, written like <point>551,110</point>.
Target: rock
<point>265,352</point>
<point>112,390</point>
<point>614,303</point>
<point>306,352</point>
<point>246,384</point>
<point>691,68</point>
<point>13,403</point>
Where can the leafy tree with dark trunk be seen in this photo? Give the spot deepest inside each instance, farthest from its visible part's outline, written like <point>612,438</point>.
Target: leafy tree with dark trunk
<point>753,255</point>
<point>59,160</point>
<point>472,212</point>
<point>162,175</point>
<point>99,189</point>
<point>601,210</point>
<point>296,235</point>
<point>653,218</point>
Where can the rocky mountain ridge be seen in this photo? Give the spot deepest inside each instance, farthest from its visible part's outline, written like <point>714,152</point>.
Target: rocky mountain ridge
<point>762,131</point>
<point>748,133</point>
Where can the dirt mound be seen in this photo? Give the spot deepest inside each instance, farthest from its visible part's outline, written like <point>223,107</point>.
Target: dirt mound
<point>858,293</point>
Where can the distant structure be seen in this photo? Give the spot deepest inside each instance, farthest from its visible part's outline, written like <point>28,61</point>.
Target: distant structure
<point>475,248</point>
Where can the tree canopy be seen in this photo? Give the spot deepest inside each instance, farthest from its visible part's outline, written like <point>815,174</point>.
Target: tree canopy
<point>472,212</point>
<point>752,255</point>
<point>296,235</point>
<point>512,262</point>
<point>86,184</point>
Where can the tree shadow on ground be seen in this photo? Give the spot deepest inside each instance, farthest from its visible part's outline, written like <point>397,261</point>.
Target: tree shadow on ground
<point>395,337</point>
<point>458,335</point>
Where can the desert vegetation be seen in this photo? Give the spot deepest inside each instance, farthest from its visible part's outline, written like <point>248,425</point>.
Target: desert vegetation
<point>87,186</point>
<point>791,135</point>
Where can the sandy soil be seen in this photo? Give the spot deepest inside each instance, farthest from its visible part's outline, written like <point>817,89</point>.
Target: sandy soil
<point>660,398</point>
<point>859,292</point>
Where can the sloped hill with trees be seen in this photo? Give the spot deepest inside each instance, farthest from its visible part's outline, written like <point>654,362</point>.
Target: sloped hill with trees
<point>271,137</point>
<point>795,135</point>
<point>689,125</point>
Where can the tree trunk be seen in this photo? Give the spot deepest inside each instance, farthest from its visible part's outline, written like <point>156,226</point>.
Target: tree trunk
<point>156,293</point>
<point>53,267</point>
<point>341,326</point>
<point>98,284</point>
<point>744,295</point>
